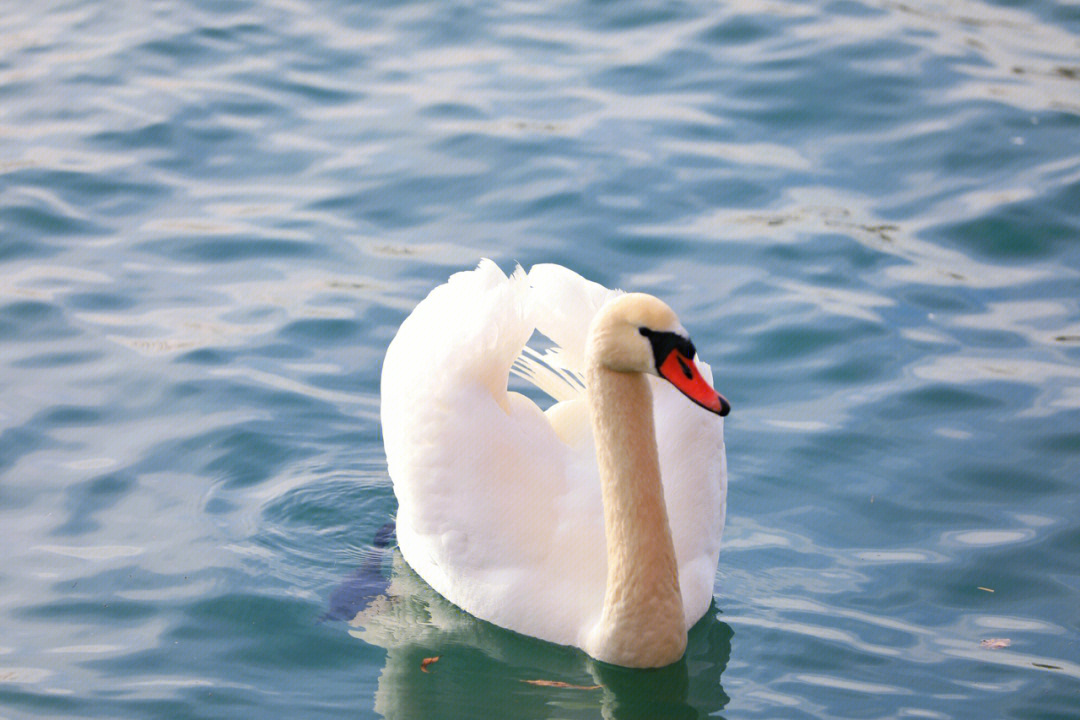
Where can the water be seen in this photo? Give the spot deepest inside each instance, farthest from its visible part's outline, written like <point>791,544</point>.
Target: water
<point>214,216</point>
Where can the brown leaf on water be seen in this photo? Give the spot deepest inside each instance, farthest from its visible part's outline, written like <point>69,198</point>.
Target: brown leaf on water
<point>986,589</point>
<point>1048,667</point>
<point>561,684</point>
<point>428,661</point>
<point>996,643</point>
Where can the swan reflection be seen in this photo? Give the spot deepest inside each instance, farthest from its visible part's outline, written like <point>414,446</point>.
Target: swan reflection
<point>442,662</point>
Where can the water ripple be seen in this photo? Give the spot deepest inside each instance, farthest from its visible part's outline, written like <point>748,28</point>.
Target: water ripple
<point>213,218</point>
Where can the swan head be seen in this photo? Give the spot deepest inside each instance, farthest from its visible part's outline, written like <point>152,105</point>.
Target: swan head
<point>639,333</point>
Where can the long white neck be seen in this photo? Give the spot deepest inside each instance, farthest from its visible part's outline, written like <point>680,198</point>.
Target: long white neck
<point>642,623</point>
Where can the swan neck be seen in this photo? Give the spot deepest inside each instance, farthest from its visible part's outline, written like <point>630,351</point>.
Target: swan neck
<point>642,622</point>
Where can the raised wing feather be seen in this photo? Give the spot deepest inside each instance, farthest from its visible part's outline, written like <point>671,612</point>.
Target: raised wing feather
<point>489,496</point>
<point>563,305</point>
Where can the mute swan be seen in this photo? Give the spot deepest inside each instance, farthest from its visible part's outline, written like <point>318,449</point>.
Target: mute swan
<point>517,515</point>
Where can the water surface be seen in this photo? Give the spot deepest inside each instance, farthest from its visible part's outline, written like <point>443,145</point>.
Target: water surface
<point>213,217</point>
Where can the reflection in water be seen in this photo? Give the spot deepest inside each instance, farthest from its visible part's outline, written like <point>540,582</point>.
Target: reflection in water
<point>485,671</point>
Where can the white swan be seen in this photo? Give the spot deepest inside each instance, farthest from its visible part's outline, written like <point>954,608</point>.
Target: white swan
<point>516,515</point>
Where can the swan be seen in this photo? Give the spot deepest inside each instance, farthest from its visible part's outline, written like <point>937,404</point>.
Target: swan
<point>595,523</point>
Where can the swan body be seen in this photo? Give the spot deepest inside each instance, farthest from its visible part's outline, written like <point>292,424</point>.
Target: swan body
<point>595,523</point>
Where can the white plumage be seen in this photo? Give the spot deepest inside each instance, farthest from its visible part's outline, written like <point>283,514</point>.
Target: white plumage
<point>500,507</point>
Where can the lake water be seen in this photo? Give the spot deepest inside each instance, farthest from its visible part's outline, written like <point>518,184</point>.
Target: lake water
<point>214,216</point>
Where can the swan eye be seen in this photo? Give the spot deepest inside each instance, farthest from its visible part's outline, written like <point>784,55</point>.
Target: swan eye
<point>663,342</point>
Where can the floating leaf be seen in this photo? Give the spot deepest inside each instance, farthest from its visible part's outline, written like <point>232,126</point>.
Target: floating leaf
<point>428,661</point>
<point>561,684</point>
<point>985,589</point>
<point>996,643</point>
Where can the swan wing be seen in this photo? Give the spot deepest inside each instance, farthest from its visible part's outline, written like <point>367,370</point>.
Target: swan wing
<point>564,304</point>
<point>494,511</point>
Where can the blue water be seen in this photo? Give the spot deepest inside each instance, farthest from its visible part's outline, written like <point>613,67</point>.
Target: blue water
<point>213,217</point>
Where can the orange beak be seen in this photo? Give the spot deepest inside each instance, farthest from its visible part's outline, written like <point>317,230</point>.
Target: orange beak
<point>681,372</point>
